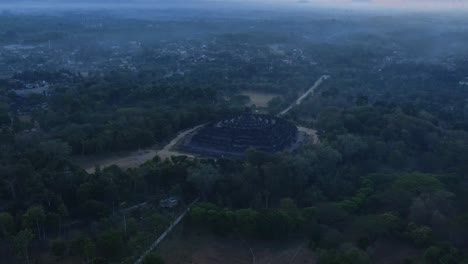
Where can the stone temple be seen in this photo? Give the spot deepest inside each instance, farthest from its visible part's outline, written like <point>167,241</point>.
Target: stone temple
<point>232,136</point>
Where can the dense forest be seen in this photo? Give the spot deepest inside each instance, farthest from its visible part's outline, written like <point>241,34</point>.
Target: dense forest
<point>391,167</point>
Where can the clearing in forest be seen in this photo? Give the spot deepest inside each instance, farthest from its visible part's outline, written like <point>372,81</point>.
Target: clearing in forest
<point>260,99</point>
<point>124,160</point>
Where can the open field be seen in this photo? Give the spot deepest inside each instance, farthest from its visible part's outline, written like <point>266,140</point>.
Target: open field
<point>134,159</point>
<point>124,160</point>
<point>208,249</point>
<point>260,99</point>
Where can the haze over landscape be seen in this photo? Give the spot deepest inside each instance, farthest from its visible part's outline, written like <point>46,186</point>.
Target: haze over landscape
<point>342,4</point>
<point>234,131</point>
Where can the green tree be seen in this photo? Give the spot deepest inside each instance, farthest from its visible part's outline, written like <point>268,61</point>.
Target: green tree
<point>420,235</point>
<point>418,183</point>
<point>288,205</point>
<point>255,157</point>
<point>62,213</point>
<point>442,253</point>
<point>4,117</point>
<point>371,227</point>
<point>99,261</point>
<point>153,258</point>
<point>246,221</point>
<point>330,214</point>
<point>7,225</point>
<point>352,256</point>
<point>351,146</point>
<point>22,241</point>
<point>34,218</point>
<point>58,247</point>
<point>111,244</point>
<point>55,149</point>
<point>432,255</point>
<point>88,249</point>
<point>204,178</point>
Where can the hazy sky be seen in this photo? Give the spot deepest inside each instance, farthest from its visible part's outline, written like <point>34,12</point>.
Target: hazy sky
<point>357,4</point>
<point>403,4</point>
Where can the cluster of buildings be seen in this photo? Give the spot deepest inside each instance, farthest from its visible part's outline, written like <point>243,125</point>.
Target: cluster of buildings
<point>90,57</point>
<point>464,82</point>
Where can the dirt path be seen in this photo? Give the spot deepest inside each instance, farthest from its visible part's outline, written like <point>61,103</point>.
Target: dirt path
<point>169,151</point>
<point>124,160</point>
<point>307,93</point>
<point>135,158</point>
<point>311,132</point>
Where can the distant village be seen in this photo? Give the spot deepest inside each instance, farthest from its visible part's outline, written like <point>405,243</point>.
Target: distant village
<point>77,57</point>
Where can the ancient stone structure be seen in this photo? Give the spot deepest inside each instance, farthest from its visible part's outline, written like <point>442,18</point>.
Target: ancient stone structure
<point>232,136</point>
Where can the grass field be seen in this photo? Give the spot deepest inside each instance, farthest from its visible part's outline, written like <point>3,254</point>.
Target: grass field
<point>258,98</point>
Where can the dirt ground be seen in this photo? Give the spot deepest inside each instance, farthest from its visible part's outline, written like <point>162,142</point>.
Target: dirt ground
<point>133,159</point>
<point>124,160</point>
<point>259,99</point>
<point>170,149</point>
<point>208,249</point>
<point>311,132</point>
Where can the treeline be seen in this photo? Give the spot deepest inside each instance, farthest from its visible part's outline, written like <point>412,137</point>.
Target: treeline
<point>387,136</point>
<point>50,207</point>
<point>418,89</point>
<point>382,173</point>
<point>51,210</point>
<point>117,112</point>
<point>417,210</point>
<point>315,194</point>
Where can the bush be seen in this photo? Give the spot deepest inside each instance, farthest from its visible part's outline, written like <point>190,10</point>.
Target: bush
<point>153,258</point>
<point>58,247</point>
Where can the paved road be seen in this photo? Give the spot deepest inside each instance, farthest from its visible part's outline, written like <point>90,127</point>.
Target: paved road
<point>307,93</point>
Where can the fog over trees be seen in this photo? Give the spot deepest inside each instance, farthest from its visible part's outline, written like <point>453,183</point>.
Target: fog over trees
<point>97,100</point>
